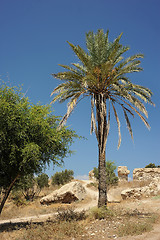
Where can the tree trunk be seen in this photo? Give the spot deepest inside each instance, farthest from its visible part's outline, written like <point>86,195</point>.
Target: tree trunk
<point>101,114</point>
<point>7,193</point>
<point>102,200</point>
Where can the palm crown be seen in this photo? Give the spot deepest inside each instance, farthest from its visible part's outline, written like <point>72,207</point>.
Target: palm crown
<point>103,75</point>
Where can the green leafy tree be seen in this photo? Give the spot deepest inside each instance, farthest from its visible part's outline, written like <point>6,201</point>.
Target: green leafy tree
<point>29,138</point>
<point>61,178</point>
<point>103,75</point>
<point>111,177</point>
<point>42,180</point>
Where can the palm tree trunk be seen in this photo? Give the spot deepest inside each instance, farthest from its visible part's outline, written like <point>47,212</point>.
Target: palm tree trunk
<point>101,114</point>
<point>7,194</point>
<point>102,200</point>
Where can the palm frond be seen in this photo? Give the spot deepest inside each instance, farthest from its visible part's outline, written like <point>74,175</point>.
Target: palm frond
<point>118,124</point>
<point>142,118</point>
<point>82,55</point>
<point>93,121</point>
<point>128,123</point>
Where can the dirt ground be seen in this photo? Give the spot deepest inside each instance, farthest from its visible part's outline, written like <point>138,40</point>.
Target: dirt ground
<point>102,229</point>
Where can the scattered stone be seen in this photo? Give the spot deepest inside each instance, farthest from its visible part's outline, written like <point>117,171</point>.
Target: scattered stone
<point>92,234</point>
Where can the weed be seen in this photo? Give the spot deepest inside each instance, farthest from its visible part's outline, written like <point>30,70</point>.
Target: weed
<point>52,230</point>
<point>101,213</point>
<point>70,214</point>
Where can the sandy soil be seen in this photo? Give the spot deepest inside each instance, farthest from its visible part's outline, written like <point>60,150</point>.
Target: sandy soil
<point>99,229</point>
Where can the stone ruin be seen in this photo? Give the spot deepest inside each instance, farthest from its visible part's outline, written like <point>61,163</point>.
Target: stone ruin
<point>148,180</point>
<point>151,179</point>
<point>146,174</point>
<point>123,173</point>
<point>91,176</point>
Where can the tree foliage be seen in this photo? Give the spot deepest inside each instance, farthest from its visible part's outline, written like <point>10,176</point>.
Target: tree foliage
<point>29,139</point>
<point>152,165</point>
<point>111,177</point>
<point>61,178</point>
<point>42,180</point>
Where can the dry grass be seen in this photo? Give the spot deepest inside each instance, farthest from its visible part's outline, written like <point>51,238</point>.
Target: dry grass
<point>28,208</point>
<point>133,184</point>
<point>45,231</point>
<point>100,223</point>
<point>116,220</point>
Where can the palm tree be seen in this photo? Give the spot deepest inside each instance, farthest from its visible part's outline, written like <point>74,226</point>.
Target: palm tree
<point>103,76</point>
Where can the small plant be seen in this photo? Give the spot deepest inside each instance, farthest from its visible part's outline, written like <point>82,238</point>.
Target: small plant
<point>101,213</point>
<point>70,214</point>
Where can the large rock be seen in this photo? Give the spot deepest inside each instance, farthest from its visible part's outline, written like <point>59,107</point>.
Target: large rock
<point>68,193</point>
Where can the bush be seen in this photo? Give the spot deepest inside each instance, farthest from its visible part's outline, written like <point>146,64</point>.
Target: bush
<point>61,178</point>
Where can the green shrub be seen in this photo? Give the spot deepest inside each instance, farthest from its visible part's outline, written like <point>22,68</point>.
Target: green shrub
<point>61,178</point>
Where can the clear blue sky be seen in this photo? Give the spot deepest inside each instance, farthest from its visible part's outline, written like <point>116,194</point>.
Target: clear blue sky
<point>33,43</point>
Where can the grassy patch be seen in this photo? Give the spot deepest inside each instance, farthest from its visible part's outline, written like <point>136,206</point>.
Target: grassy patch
<point>101,213</point>
<point>156,197</point>
<point>136,227</point>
